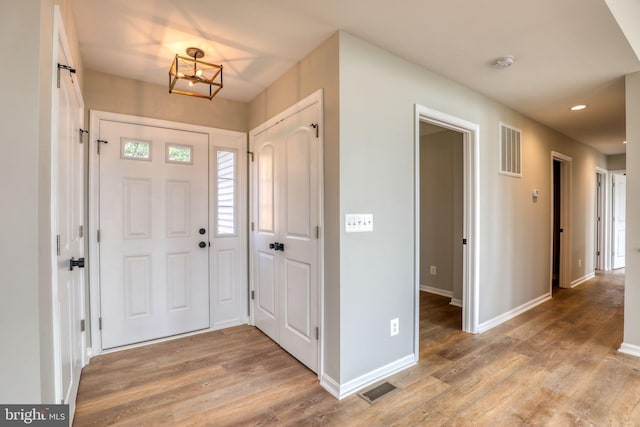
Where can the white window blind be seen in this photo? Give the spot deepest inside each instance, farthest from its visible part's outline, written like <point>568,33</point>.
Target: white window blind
<point>226,193</point>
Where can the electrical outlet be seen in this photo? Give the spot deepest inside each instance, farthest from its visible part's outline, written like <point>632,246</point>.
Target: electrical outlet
<point>395,326</point>
<point>433,270</point>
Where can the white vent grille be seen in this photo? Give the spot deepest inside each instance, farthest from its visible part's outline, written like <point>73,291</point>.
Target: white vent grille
<point>510,151</point>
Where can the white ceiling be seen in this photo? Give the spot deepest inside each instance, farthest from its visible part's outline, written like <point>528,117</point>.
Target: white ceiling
<point>566,51</point>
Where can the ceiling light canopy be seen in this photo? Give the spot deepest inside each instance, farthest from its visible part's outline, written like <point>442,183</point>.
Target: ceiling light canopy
<point>504,62</point>
<point>192,77</point>
<point>578,107</point>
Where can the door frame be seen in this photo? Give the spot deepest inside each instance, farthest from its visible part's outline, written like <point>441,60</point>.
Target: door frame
<point>602,206</point>
<point>566,167</point>
<point>60,40</point>
<point>316,97</point>
<point>93,255</point>
<point>471,216</point>
<point>610,224</point>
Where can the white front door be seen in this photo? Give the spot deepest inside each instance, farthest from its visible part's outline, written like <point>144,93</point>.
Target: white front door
<point>154,232</point>
<point>68,170</point>
<point>286,217</point>
<point>619,220</point>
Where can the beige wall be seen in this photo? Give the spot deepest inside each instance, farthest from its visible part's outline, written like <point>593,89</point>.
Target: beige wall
<point>115,94</point>
<point>617,162</point>
<point>26,353</point>
<point>632,270</point>
<point>441,205</point>
<point>376,175</point>
<point>318,70</point>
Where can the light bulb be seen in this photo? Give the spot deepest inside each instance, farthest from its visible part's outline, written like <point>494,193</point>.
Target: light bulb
<point>190,83</point>
<point>199,73</point>
<point>180,74</point>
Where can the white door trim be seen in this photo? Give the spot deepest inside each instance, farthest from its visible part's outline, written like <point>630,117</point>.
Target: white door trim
<point>602,263</point>
<point>316,97</point>
<point>59,40</point>
<point>611,224</point>
<point>93,206</point>
<point>471,229</point>
<point>566,171</point>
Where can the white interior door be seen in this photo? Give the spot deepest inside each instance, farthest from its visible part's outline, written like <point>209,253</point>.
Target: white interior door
<point>154,232</point>
<point>619,220</point>
<point>286,216</point>
<point>68,170</point>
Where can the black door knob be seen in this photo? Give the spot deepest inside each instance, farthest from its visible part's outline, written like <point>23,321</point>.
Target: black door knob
<point>272,245</point>
<point>202,231</point>
<point>202,245</point>
<point>76,263</point>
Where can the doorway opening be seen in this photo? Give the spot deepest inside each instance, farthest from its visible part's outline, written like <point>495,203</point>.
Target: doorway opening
<point>441,224</point>
<point>466,206</point>
<point>560,221</point>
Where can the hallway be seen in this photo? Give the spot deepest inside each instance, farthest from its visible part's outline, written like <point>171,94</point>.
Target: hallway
<point>554,365</point>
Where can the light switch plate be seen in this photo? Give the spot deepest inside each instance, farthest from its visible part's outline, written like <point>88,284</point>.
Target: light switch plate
<point>358,223</point>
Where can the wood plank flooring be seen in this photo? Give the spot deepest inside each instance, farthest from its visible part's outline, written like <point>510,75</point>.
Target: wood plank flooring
<point>555,365</point>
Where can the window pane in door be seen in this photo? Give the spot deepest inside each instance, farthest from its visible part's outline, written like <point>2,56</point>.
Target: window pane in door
<point>179,153</point>
<point>226,193</point>
<point>135,150</point>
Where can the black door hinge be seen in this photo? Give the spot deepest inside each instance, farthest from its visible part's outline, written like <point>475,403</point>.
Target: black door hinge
<point>68,68</point>
<point>253,295</point>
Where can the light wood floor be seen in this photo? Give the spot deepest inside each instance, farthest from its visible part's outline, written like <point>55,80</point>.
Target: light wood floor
<point>555,365</point>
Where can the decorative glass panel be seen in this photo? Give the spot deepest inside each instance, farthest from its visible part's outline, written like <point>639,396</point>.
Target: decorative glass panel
<point>179,154</point>
<point>226,192</point>
<point>135,150</point>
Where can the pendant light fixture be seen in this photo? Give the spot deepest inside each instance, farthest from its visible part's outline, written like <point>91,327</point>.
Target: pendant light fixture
<point>190,76</point>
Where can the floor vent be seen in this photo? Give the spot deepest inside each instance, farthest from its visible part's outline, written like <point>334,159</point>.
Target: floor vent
<point>377,392</point>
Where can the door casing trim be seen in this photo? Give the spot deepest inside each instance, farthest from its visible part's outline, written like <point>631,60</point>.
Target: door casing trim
<point>471,216</point>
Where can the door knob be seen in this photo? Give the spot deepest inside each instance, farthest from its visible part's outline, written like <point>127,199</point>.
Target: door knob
<point>202,245</point>
<point>202,231</point>
<point>276,246</point>
<point>76,263</point>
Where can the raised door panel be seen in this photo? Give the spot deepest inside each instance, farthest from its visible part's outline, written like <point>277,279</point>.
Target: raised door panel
<point>297,298</point>
<point>178,208</point>
<point>137,286</point>
<point>297,183</point>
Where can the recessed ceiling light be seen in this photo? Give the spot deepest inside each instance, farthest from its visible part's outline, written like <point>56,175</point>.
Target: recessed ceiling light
<point>503,62</point>
<point>578,107</point>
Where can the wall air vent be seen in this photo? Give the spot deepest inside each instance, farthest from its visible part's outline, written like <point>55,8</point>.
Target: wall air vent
<point>510,151</point>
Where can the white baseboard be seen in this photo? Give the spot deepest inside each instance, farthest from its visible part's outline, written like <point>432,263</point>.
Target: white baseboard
<point>583,279</point>
<point>437,291</point>
<point>340,391</point>
<point>456,302</point>
<point>492,323</point>
<point>330,385</point>
<point>631,349</point>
